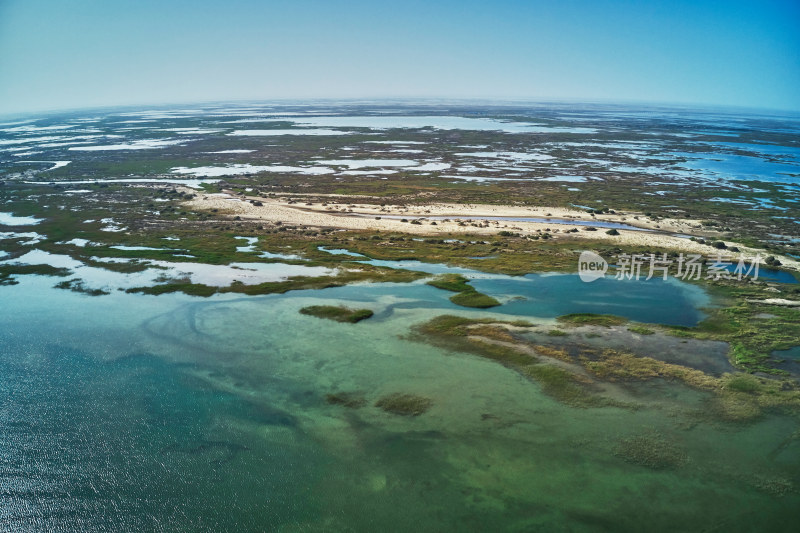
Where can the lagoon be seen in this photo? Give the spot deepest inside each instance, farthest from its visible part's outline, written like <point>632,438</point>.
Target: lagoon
<point>174,411</point>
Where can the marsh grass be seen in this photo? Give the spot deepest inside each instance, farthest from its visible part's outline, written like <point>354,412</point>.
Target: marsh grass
<point>337,313</point>
<point>404,404</point>
<point>591,319</point>
<point>563,386</point>
<point>736,397</point>
<point>467,295</point>
<point>451,282</point>
<point>641,330</point>
<point>77,285</point>
<point>7,271</point>
<point>473,298</point>
<point>352,400</point>
<point>741,322</point>
<point>367,273</point>
<point>651,450</point>
<point>466,335</point>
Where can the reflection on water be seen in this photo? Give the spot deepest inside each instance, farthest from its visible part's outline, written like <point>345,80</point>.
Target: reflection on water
<point>740,167</point>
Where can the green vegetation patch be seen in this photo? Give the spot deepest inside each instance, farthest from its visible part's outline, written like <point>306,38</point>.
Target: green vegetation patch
<point>192,289</point>
<point>77,285</point>
<point>753,329</point>
<point>653,451</point>
<point>404,404</point>
<point>352,400</point>
<point>641,330</point>
<point>736,397</point>
<point>744,383</point>
<point>466,335</point>
<point>366,273</point>
<point>451,282</point>
<point>8,271</point>
<point>562,385</point>
<point>467,295</point>
<point>591,319</point>
<point>337,312</point>
<point>474,298</point>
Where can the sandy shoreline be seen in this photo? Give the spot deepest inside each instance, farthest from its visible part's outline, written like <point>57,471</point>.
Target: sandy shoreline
<point>333,214</point>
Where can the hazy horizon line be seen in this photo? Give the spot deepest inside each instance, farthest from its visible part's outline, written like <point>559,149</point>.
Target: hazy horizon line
<point>417,100</point>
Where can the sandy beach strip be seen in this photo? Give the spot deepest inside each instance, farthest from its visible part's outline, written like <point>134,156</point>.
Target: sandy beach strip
<point>369,217</point>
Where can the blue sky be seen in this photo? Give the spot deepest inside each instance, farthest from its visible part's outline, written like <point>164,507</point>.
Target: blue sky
<point>57,54</point>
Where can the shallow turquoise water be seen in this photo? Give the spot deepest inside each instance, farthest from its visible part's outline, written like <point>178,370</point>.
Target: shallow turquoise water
<point>141,413</point>
<point>553,295</point>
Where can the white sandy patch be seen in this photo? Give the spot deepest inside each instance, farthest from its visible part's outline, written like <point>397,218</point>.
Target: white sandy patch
<point>26,140</point>
<point>355,164</point>
<point>9,219</point>
<point>16,149</point>
<point>145,144</point>
<point>191,131</point>
<point>76,242</point>
<point>53,142</point>
<point>133,248</point>
<point>443,122</point>
<point>17,122</point>
<point>255,117</point>
<point>430,167</point>
<point>246,168</point>
<point>56,164</point>
<point>297,131</point>
<point>778,301</point>
<point>155,115</point>
<point>397,142</point>
<point>374,172</point>
<point>363,218</point>
<point>480,178</point>
<point>35,129</point>
<point>111,225</point>
<point>569,179</point>
<point>467,169</point>
<point>78,140</point>
<point>33,237</point>
<point>514,156</point>
<point>193,183</point>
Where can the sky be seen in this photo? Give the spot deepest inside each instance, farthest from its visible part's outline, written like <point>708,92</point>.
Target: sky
<point>67,54</point>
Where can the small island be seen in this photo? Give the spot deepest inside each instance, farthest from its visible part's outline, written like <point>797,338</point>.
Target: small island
<point>467,295</point>
<point>339,313</point>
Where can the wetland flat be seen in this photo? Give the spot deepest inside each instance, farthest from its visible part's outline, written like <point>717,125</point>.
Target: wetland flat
<point>372,317</point>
